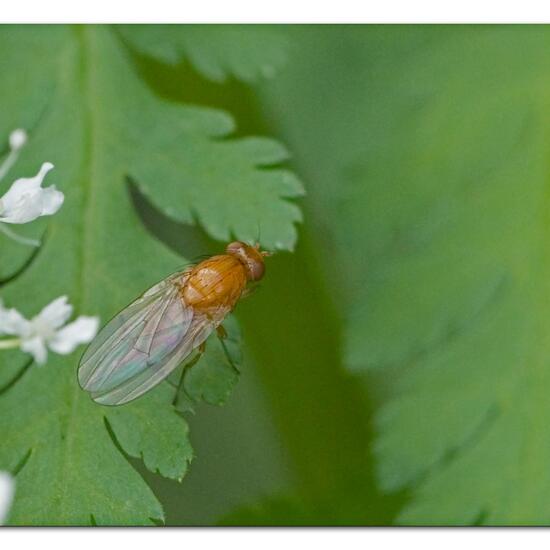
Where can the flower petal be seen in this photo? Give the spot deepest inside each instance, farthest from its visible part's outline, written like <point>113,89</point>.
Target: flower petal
<point>52,199</point>
<point>7,489</point>
<point>12,322</point>
<point>55,314</point>
<point>20,209</point>
<point>37,348</point>
<point>80,331</point>
<point>26,200</point>
<point>24,186</point>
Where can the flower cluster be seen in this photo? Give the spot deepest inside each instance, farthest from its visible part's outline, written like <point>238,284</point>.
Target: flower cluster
<point>25,201</point>
<point>47,330</point>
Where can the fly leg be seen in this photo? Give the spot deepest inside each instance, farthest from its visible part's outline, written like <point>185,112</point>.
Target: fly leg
<point>200,350</point>
<point>222,336</point>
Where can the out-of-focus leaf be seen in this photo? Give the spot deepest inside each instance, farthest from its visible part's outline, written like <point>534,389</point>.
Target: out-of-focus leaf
<point>272,511</point>
<point>428,151</point>
<point>88,112</point>
<point>247,52</point>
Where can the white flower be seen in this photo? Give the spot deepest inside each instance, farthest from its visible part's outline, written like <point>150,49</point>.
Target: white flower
<point>7,488</point>
<point>26,200</point>
<point>46,330</point>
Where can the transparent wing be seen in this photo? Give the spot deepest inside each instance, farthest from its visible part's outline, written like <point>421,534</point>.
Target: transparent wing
<point>200,328</point>
<point>137,343</point>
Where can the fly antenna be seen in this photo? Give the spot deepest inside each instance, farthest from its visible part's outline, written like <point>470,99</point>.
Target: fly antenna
<point>258,238</point>
<point>264,253</point>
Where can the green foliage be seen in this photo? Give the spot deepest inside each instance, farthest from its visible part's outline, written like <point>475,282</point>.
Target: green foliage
<point>245,52</point>
<point>272,511</point>
<point>429,158</point>
<point>89,113</point>
<point>18,255</point>
<point>422,269</point>
<point>232,196</point>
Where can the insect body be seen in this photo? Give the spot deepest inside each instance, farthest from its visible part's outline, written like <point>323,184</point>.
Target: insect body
<point>146,341</point>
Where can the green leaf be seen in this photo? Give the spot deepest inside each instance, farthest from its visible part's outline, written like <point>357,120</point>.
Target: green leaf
<point>160,440</point>
<point>19,254</point>
<point>88,112</point>
<point>432,189</point>
<point>463,301</point>
<point>229,198</point>
<point>247,52</point>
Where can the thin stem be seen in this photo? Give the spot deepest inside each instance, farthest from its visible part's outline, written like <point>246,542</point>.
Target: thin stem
<point>9,161</point>
<point>9,343</point>
<point>18,238</point>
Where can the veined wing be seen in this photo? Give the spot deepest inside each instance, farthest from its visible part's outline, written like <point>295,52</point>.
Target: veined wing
<point>137,344</point>
<point>200,328</point>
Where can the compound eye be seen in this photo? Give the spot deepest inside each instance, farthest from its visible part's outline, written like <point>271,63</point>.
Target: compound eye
<point>256,270</point>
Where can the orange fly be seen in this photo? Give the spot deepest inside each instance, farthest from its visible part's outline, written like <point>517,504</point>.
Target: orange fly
<point>147,340</point>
